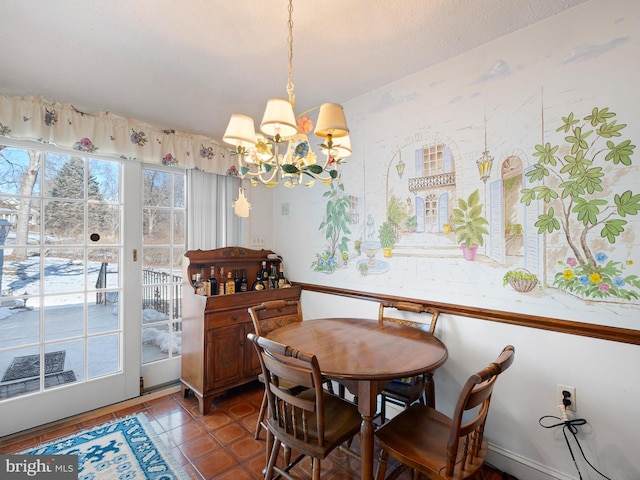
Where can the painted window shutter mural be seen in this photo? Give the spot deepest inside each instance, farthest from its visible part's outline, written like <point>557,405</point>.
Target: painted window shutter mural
<point>495,245</point>
<point>532,241</point>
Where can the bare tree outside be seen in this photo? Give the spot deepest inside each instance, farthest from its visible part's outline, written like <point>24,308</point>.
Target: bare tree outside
<point>20,177</point>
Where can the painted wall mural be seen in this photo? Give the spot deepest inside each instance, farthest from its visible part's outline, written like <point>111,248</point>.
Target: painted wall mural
<point>585,206</point>
<point>506,178</point>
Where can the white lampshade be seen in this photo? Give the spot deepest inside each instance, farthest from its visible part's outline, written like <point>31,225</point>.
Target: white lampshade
<point>331,121</point>
<point>240,131</point>
<point>279,119</point>
<point>341,147</point>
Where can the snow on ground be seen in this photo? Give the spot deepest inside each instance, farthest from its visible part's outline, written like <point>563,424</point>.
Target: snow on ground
<point>63,289</point>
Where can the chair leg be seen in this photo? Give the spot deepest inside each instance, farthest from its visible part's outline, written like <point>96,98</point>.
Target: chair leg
<point>382,465</point>
<point>261,414</point>
<point>315,468</point>
<point>430,390</point>
<point>272,458</point>
<point>269,446</point>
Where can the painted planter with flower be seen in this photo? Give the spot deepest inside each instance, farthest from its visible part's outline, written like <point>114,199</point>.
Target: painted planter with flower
<point>324,262</point>
<point>521,280</point>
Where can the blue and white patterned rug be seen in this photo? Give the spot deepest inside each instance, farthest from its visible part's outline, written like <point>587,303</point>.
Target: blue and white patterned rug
<point>127,449</point>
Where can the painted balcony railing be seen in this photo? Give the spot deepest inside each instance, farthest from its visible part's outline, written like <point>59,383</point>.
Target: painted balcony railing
<point>441,180</point>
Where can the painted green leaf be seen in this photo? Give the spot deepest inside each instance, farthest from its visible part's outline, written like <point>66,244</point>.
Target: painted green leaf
<point>547,194</point>
<point>527,196</point>
<point>474,198</point>
<point>620,153</point>
<point>575,164</point>
<point>568,122</point>
<point>289,168</point>
<point>591,180</point>
<point>546,154</point>
<point>599,116</point>
<point>612,228</point>
<point>571,188</point>
<point>610,129</point>
<point>627,203</point>
<point>578,140</point>
<point>547,222</point>
<point>588,210</point>
<point>538,173</point>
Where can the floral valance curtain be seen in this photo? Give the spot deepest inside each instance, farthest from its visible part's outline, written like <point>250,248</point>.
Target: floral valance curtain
<point>104,133</point>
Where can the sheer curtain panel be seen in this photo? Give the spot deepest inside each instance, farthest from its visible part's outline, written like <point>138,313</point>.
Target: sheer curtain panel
<point>210,219</point>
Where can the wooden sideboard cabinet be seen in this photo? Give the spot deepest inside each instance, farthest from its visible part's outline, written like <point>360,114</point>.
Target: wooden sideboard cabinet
<point>216,354</point>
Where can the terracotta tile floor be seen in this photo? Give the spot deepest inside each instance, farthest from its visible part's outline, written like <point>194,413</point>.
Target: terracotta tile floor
<point>219,445</point>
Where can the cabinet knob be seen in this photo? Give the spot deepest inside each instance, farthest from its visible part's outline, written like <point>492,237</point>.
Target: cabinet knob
<point>234,318</point>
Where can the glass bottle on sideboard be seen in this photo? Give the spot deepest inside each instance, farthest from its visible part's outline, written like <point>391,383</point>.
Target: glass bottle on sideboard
<point>230,285</point>
<point>258,284</point>
<point>213,281</point>
<point>244,284</point>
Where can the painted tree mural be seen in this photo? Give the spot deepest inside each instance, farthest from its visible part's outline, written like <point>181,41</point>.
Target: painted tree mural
<point>336,228</point>
<point>582,206</point>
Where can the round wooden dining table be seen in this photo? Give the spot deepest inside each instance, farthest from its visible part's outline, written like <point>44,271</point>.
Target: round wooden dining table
<point>363,355</point>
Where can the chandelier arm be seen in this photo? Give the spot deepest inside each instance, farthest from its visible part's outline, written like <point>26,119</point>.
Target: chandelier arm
<point>290,67</point>
<point>273,172</point>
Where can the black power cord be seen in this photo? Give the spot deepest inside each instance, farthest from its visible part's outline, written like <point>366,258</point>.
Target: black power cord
<point>571,427</point>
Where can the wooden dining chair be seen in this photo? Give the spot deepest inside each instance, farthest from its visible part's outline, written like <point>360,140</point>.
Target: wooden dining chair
<point>266,318</point>
<point>420,388</point>
<point>312,423</point>
<point>439,447</point>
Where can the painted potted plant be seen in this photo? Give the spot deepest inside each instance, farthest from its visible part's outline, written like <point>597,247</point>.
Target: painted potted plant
<point>363,268</point>
<point>387,237</point>
<point>357,244</point>
<point>469,225</point>
<point>411,223</point>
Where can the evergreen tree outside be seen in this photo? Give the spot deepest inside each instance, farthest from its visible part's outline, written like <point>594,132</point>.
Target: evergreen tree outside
<point>64,218</point>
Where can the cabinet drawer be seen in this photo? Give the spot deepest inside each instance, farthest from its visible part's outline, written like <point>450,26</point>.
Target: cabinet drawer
<point>230,317</point>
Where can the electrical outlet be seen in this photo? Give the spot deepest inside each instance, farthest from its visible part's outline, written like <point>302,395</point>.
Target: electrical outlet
<point>257,241</point>
<point>570,394</point>
<point>284,208</point>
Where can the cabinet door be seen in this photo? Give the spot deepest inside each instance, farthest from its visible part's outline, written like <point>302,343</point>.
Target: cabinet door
<point>252,362</point>
<point>225,359</point>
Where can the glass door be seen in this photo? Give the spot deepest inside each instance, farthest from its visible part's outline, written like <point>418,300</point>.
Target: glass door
<point>64,348</point>
<point>163,248</point>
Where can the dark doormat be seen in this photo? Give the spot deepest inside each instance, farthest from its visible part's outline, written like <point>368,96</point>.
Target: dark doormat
<point>29,366</point>
<point>33,384</point>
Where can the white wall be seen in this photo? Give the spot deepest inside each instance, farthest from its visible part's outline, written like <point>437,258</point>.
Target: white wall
<point>604,373</point>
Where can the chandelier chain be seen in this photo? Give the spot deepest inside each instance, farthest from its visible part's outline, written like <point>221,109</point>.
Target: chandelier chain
<point>290,41</point>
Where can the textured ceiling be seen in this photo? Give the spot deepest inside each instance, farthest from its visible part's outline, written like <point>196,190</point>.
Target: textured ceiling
<point>189,64</point>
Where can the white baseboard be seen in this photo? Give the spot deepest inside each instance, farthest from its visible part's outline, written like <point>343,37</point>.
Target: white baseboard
<point>520,467</point>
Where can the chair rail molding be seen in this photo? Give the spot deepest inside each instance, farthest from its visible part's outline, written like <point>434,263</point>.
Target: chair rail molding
<point>614,334</point>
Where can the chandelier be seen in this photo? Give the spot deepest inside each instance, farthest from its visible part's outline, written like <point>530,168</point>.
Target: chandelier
<point>281,151</point>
